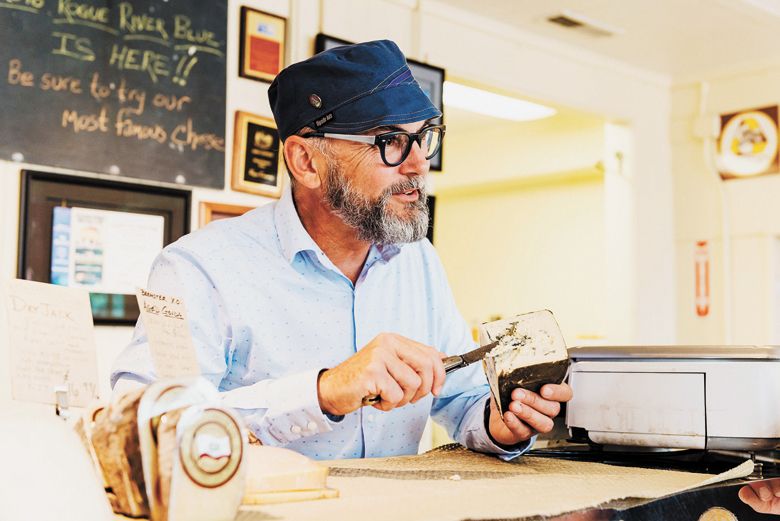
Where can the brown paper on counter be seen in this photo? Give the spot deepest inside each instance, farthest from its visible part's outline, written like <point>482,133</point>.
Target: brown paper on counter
<point>453,484</point>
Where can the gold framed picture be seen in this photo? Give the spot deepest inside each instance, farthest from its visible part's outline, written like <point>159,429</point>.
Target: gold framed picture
<point>211,211</point>
<point>748,143</point>
<point>262,46</point>
<point>257,156</point>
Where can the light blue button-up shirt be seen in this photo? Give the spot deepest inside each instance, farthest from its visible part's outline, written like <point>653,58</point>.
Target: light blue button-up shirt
<point>268,310</point>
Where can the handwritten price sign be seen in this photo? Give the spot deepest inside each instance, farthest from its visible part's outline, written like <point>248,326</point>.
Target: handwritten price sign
<point>168,332</point>
<point>135,88</point>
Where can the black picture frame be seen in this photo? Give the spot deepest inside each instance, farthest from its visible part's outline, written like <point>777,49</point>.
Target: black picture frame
<point>42,191</point>
<point>431,202</point>
<point>430,78</point>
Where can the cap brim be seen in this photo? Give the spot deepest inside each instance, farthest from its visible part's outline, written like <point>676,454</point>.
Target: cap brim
<point>393,106</point>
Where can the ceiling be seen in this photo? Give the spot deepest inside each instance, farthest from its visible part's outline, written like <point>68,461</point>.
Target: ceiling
<point>682,39</point>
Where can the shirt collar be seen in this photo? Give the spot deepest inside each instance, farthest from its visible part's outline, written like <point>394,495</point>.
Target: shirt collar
<point>293,237</point>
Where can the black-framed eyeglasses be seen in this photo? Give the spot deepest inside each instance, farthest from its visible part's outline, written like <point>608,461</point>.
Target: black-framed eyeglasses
<point>394,146</point>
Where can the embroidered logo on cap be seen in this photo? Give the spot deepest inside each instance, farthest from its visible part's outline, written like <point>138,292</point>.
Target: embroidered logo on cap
<point>324,119</point>
<point>315,101</point>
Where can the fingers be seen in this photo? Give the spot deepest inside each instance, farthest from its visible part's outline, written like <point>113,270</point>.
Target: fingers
<point>531,417</point>
<point>750,497</point>
<point>518,428</point>
<point>747,495</point>
<point>507,429</point>
<point>426,361</point>
<point>767,489</point>
<point>557,392</point>
<point>438,373</point>
<point>762,496</point>
<point>774,485</point>
<point>389,392</point>
<point>410,382</point>
<point>416,370</point>
<point>527,398</point>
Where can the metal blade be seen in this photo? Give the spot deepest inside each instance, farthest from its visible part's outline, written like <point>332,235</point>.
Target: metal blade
<point>477,354</point>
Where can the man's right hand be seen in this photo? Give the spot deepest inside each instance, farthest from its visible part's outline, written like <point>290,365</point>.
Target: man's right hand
<point>395,368</point>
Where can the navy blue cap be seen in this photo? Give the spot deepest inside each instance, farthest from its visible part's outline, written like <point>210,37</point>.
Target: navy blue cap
<point>347,90</point>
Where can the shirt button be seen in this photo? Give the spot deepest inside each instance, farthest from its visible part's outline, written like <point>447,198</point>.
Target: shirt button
<point>295,429</point>
<point>311,426</point>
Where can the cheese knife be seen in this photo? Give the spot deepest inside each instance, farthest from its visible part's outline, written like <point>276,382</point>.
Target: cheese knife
<point>451,363</point>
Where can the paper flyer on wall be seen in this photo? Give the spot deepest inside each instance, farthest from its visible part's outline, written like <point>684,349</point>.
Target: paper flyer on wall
<point>102,250</point>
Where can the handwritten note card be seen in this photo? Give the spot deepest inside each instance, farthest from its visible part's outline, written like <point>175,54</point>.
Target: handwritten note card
<point>170,341</point>
<point>52,342</point>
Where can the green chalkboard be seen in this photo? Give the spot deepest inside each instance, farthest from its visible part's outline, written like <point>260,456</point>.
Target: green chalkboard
<point>132,88</point>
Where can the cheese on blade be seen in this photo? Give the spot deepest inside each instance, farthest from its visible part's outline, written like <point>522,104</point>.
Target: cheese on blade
<point>531,352</point>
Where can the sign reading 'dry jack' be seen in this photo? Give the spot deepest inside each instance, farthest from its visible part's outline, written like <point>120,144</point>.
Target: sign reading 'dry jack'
<point>135,87</point>
<point>52,342</point>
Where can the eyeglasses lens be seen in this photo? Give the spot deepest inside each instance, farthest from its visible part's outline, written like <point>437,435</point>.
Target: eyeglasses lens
<point>431,140</point>
<point>397,146</point>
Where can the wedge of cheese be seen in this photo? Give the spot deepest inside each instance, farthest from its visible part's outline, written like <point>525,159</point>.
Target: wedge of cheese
<point>277,475</point>
<point>531,352</point>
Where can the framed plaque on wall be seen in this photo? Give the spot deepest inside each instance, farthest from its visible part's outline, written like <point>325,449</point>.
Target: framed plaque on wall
<point>262,45</point>
<point>258,167</point>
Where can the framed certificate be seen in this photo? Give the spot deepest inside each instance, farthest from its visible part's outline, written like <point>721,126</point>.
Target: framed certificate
<point>257,156</point>
<point>213,211</point>
<point>429,77</point>
<point>262,46</point>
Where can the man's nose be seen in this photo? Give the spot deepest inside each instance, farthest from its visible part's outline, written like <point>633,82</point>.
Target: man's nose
<point>415,163</point>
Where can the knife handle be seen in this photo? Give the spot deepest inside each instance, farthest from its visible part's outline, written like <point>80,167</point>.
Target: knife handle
<point>451,363</point>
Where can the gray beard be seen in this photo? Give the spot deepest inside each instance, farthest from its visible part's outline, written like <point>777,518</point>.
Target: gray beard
<point>373,219</point>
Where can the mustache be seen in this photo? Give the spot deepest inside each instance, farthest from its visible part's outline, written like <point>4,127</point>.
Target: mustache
<point>416,183</point>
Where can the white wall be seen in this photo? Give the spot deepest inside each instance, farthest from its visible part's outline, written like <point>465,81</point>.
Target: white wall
<point>484,150</point>
<point>520,219</point>
<point>744,269</point>
<point>540,247</point>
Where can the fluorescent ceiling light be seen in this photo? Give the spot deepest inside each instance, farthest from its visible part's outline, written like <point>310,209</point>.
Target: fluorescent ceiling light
<point>771,7</point>
<point>495,105</point>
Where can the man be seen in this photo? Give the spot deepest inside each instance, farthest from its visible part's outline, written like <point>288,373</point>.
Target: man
<point>302,308</point>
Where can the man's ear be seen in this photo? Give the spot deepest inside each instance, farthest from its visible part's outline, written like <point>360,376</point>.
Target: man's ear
<point>304,162</point>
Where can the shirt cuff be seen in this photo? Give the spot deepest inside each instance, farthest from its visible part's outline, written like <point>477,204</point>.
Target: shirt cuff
<point>281,410</point>
<point>478,438</point>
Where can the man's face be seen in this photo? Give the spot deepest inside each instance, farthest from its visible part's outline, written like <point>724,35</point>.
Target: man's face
<point>386,204</point>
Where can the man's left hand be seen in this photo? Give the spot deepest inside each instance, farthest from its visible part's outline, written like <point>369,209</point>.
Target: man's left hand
<point>528,414</point>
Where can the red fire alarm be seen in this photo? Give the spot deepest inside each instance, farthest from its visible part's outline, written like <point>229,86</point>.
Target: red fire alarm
<point>701,262</point>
